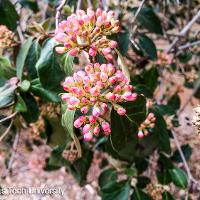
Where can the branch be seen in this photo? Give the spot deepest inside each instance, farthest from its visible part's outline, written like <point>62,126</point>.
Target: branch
<point>14,150</point>
<point>58,10</point>
<point>7,131</point>
<point>78,5</point>
<point>89,4</point>
<point>188,45</point>
<point>186,166</point>
<point>183,32</point>
<point>138,11</point>
<point>9,117</point>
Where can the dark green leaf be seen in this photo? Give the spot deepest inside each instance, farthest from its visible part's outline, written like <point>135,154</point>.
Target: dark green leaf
<point>140,195</point>
<point>38,90</point>
<point>6,70</point>
<point>175,102</point>
<point>123,42</point>
<point>187,151</point>
<point>32,58</point>
<point>20,105</point>
<point>116,191</point>
<point>107,177</point>
<point>167,196</point>
<point>185,57</point>
<point>8,14</point>
<point>32,113</point>
<point>49,71</point>
<point>165,109</point>
<point>149,20</point>
<point>143,181</point>
<point>21,57</point>
<point>148,46</point>
<point>179,177</point>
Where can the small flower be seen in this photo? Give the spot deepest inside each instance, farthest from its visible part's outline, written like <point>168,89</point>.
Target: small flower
<point>121,111</point>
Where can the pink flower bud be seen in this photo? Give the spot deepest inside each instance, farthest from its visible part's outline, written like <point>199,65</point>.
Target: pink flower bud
<point>89,68</point>
<point>110,96</point>
<point>140,134</point>
<point>73,101</point>
<point>109,57</point>
<point>71,107</point>
<point>92,52</point>
<point>106,127</point>
<point>92,119</point>
<point>67,45</point>
<point>104,107</point>
<point>150,116</point>
<point>94,91</point>
<point>97,30</point>
<point>79,122</point>
<point>121,111</point>
<point>98,12</point>
<point>61,37</point>
<point>60,50</point>
<point>73,52</point>
<point>97,67</point>
<point>115,29</point>
<point>65,97</point>
<point>86,128</point>
<point>96,130</point>
<point>99,21</point>
<point>104,77</point>
<point>96,112</point>
<point>128,96</point>
<point>112,44</point>
<point>88,136</point>
<point>106,51</point>
<point>69,80</point>
<point>112,80</point>
<point>85,109</point>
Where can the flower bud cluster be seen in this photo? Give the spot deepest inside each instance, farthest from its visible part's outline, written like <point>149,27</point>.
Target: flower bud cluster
<point>87,31</point>
<point>6,37</point>
<point>146,125</point>
<point>196,119</point>
<point>163,59</point>
<point>91,91</point>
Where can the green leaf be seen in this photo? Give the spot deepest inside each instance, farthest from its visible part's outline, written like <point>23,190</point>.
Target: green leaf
<point>81,166</point>
<point>116,191</point>
<point>48,69</point>
<point>107,177</point>
<point>21,57</point>
<point>68,123</point>
<point>32,58</point>
<point>143,181</point>
<point>140,195</point>
<point>160,131</point>
<point>179,177</point>
<point>20,105</point>
<point>32,113</point>
<point>47,95</point>
<point>8,14</point>
<point>30,4</point>
<point>66,62</point>
<point>6,70</point>
<point>123,42</point>
<point>123,138</point>
<point>149,20</point>
<point>7,96</point>
<point>175,102</point>
<point>148,46</point>
<point>187,151</point>
<point>167,196</point>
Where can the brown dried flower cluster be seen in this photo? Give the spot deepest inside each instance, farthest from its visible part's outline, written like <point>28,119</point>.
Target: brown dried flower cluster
<point>196,119</point>
<point>6,38</point>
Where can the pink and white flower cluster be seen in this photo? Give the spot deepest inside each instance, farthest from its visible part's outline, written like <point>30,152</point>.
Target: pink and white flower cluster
<point>91,91</point>
<point>148,123</point>
<point>87,31</point>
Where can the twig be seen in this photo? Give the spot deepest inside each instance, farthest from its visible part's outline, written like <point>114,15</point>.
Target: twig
<point>188,45</point>
<point>7,131</point>
<point>191,179</point>
<point>78,5</point>
<point>19,31</point>
<point>196,87</point>
<point>9,117</point>
<point>89,4</point>
<point>58,10</point>
<point>14,150</point>
<point>138,11</point>
<point>184,31</point>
